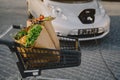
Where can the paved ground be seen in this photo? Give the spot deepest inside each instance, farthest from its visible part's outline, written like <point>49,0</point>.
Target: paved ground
<point>92,66</point>
<point>112,8</point>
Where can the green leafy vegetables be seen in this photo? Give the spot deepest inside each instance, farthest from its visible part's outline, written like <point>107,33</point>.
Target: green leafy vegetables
<point>30,35</point>
<point>33,33</point>
<point>20,34</point>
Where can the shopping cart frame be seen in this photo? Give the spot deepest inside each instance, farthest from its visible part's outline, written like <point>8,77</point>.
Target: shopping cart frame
<point>36,72</point>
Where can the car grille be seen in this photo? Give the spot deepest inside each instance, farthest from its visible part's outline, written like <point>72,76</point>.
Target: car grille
<point>86,33</point>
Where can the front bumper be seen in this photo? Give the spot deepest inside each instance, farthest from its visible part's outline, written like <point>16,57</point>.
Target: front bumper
<point>99,30</point>
<point>90,34</point>
<point>93,36</point>
<point>93,31</point>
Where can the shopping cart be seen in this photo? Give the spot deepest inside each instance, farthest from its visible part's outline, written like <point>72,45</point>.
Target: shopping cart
<point>69,55</point>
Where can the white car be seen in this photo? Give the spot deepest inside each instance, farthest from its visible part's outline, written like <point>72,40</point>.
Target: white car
<point>85,19</point>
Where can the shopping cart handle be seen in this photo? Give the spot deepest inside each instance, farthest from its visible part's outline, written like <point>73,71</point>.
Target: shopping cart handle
<point>17,26</point>
<point>6,42</point>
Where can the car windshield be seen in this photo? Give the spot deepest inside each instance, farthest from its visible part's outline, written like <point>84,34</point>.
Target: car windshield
<point>71,1</point>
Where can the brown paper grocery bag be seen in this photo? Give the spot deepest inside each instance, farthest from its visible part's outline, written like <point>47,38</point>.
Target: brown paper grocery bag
<point>44,40</point>
<point>52,34</point>
<point>48,26</point>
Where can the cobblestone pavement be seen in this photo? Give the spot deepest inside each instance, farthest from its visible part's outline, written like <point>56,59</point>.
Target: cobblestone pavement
<point>92,66</point>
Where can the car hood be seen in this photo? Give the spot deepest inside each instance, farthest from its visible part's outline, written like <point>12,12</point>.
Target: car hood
<point>72,11</point>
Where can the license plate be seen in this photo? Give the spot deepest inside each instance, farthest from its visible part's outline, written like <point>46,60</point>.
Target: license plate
<point>87,31</point>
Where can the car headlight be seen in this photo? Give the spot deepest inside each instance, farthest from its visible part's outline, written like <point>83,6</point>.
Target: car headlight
<point>102,10</point>
<point>56,12</point>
